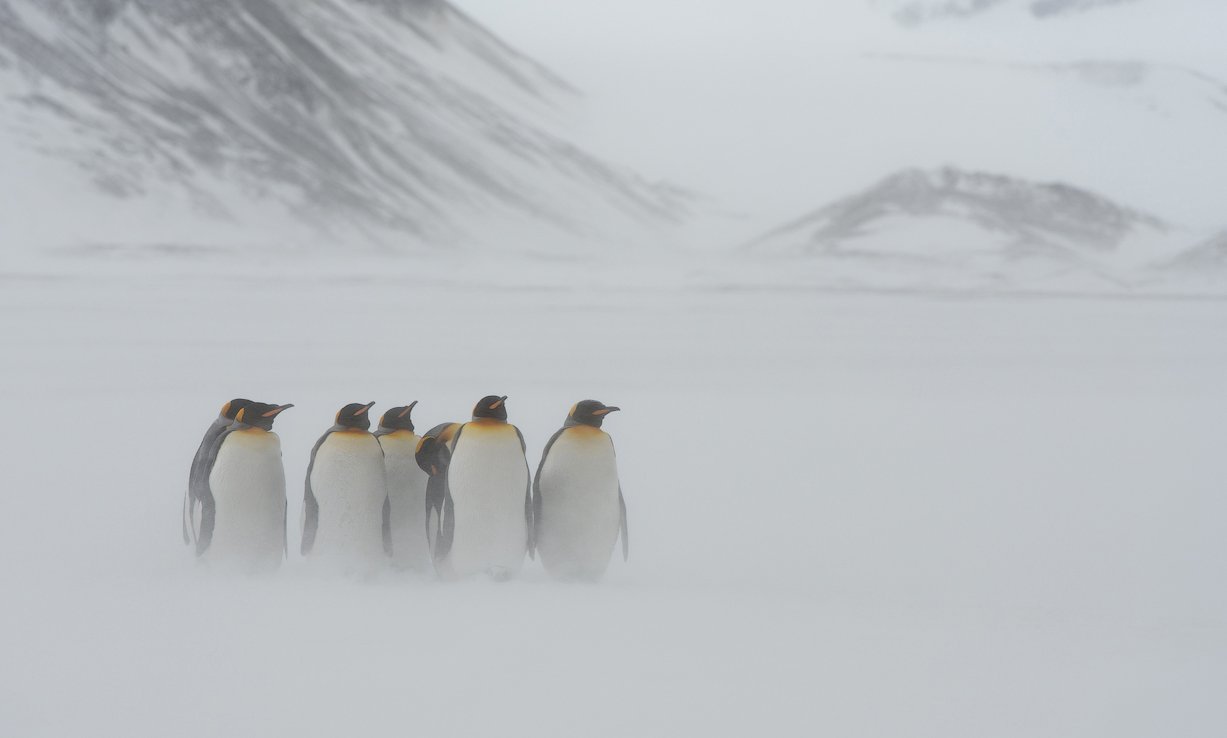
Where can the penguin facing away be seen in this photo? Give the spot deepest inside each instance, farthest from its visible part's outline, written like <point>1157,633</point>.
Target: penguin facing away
<point>433,456</point>
<point>198,483</point>
<point>243,523</point>
<point>345,492</point>
<point>404,512</point>
<point>579,511</point>
<point>487,510</point>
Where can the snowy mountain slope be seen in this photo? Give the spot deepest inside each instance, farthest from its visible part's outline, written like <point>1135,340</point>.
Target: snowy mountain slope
<point>1207,259</point>
<point>950,224</point>
<point>376,117</point>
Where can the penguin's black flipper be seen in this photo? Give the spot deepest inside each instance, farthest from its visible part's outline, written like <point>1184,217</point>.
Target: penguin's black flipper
<point>626,543</point>
<point>530,521</point>
<point>208,515</point>
<point>198,476</point>
<point>311,506</point>
<point>387,526</point>
<point>537,500</point>
<point>447,528</point>
<point>201,490</point>
<point>310,521</point>
<point>530,518</point>
<point>187,500</point>
<point>434,512</point>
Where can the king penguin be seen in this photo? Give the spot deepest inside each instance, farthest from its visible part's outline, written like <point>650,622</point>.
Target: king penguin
<point>434,453</point>
<point>242,523</point>
<point>578,508</point>
<point>345,494</point>
<point>197,484</point>
<point>487,516</point>
<point>404,513</point>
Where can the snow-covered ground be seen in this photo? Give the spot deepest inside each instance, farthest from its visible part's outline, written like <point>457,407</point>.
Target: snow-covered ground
<point>850,515</point>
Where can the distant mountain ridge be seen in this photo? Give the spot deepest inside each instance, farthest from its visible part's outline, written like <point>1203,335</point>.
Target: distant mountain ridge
<point>379,116</point>
<point>1050,215</point>
<point>1208,257</point>
<point>950,224</point>
<point>915,12</point>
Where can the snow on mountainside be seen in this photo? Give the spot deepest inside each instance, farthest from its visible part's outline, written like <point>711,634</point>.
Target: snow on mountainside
<point>913,12</point>
<point>394,121</point>
<point>1208,259</point>
<point>975,227</point>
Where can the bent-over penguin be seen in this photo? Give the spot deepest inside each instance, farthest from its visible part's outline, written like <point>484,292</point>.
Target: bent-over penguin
<point>433,454</point>
<point>578,508</point>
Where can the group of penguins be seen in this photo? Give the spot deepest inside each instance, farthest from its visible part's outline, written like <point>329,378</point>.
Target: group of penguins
<point>458,499</point>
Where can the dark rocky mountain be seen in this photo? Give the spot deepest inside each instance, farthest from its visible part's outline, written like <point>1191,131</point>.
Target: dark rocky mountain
<point>390,119</point>
<point>1001,212</point>
<point>1208,257</point>
<point>949,227</point>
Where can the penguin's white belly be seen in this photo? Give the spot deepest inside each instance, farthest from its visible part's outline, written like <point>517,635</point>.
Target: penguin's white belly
<point>580,511</point>
<point>488,481</point>
<point>248,485</point>
<point>407,500</point>
<point>348,482</point>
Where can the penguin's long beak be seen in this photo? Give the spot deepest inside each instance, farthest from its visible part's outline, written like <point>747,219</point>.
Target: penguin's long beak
<point>607,410</point>
<point>499,404</point>
<point>364,410</point>
<point>275,411</point>
<point>408,409</point>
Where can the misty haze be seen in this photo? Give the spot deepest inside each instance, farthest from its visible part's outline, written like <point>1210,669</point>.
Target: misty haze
<point>322,321</point>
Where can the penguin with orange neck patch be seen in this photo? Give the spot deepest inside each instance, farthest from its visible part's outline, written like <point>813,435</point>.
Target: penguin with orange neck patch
<point>243,518</point>
<point>198,479</point>
<point>578,508</point>
<point>487,511</point>
<point>346,489</point>
<point>404,516</point>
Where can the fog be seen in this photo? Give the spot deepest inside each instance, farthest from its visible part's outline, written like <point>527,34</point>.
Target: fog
<point>944,458</point>
<point>782,107</point>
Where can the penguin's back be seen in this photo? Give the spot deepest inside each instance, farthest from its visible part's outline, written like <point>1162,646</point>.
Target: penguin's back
<point>348,482</point>
<point>406,499</point>
<point>580,512</point>
<point>488,481</point>
<point>247,479</point>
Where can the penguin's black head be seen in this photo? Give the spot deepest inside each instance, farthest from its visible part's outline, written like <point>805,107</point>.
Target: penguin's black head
<point>354,415</point>
<point>432,455</point>
<point>399,418</point>
<point>491,406</point>
<point>589,412</point>
<point>232,408</point>
<point>260,414</point>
